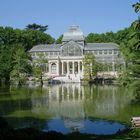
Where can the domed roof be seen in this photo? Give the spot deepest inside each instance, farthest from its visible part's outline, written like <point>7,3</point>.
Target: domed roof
<point>73,33</point>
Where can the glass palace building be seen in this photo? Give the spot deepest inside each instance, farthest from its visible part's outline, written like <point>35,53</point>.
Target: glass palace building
<point>66,60</point>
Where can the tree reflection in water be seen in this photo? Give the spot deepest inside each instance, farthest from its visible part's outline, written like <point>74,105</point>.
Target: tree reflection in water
<point>69,107</point>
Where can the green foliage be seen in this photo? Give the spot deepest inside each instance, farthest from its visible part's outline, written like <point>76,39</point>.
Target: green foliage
<point>93,37</point>
<point>6,58</point>
<point>21,66</point>
<point>135,86</point>
<point>9,43</point>
<point>124,79</point>
<point>117,37</point>
<point>38,65</point>
<point>90,68</point>
<point>136,7</point>
<point>131,51</point>
<point>135,133</point>
<point>28,38</point>
<point>38,27</point>
<point>7,36</point>
<point>59,40</point>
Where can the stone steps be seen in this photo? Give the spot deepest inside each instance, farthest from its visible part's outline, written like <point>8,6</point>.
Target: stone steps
<point>71,78</point>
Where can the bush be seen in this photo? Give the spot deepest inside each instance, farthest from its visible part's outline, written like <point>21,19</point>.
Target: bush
<point>135,133</point>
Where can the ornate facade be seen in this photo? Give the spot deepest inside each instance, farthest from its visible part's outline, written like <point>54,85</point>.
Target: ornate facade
<point>66,59</point>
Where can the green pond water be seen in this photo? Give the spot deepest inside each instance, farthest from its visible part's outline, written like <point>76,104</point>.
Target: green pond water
<point>69,107</point>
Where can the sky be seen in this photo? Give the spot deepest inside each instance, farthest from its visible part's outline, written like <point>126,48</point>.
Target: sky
<point>98,16</point>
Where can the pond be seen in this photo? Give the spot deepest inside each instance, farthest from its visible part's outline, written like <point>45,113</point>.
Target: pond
<point>68,108</point>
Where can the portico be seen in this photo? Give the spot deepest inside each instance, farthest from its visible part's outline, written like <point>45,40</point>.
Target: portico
<point>66,66</point>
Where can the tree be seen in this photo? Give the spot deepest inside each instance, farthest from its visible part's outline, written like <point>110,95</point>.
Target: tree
<point>136,7</point>
<point>21,66</point>
<point>90,38</point>
<point>109,37</point>
<point>95,38</point>
<point>38,65</point>
<point>135,46</point>
<point>135,68</point>
<point>98,38</point>
<point>27,38</point>
<point>90,67</point>
<point>31,38</point>
<point>9,43</point>
<point>6,58</point>
<point>131,50</point>
<point>59,40</point>
<point>38,27</point>
<point>7,36</point>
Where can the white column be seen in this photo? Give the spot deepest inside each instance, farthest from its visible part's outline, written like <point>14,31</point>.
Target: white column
<point>62,68</point>
<point>57,69</point>
<point>79,67</point>
<point>67,67</point>
<point>49,68</point>
<point>113,67</point>
<point>46,67</point>
<point>82,69</point>
<point>73,67</point>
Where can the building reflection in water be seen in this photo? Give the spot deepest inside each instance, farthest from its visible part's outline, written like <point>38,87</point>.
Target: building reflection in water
<point>66,101</point>
<point>73,103</point>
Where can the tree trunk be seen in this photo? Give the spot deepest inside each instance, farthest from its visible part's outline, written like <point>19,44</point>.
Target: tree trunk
<point>19,83</point>
<point>7,80</point>
<point>0,82</point>
<point>41,81</point>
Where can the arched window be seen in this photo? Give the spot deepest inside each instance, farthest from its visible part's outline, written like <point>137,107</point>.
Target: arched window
<point>72,50</point>
<point>53,68</point>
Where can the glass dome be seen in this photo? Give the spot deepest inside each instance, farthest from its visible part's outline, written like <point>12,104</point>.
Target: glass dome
<point>73,33</point>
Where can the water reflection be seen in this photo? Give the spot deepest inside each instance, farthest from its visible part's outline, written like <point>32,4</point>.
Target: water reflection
<point>66,101</point>
<point>69,107</point>
<point>107,104</point>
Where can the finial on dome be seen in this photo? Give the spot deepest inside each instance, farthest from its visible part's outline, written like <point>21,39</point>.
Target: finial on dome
<point>74,27</point>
